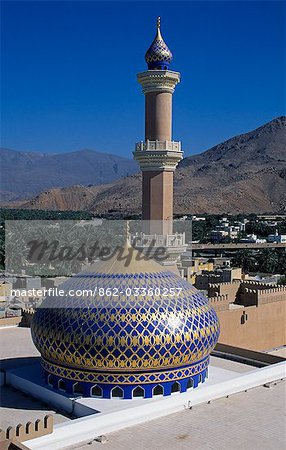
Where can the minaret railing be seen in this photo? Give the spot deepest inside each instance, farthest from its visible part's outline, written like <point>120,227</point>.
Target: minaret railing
<point>159,240</point>
<point>157,145</point>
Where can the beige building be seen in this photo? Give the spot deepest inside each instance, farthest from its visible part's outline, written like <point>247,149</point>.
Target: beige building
<point>5,290</point>
<point>251,314</point>
<point>190,269</point>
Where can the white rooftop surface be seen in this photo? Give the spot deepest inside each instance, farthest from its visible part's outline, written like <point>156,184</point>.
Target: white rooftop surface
<point>17,407</point>
<point>258,409</point>
<point>16,349</point>
<point>280,351</point>
<point>250,420</point>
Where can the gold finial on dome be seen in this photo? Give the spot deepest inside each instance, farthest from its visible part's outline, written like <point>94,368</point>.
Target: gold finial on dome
<point>159,36</point>
<point>158,55</point>
<point>158,22</point>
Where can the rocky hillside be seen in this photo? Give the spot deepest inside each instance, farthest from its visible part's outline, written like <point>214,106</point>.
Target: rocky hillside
<point>36,172</point>
<point>244,174</point>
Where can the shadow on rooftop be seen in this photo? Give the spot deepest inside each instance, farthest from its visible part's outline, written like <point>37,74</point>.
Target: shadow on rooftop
<point>13,398</point>
<point>13,363</point>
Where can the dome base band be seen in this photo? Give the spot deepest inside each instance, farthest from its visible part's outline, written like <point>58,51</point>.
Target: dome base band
<point>125,386</point>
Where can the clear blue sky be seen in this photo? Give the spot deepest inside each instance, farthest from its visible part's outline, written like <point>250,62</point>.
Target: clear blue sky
<point>69,71</point>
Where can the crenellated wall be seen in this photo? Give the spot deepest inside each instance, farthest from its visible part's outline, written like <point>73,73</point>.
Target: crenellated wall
<point>259,322</point>
<point>259,294</point>
<point>252,327</point>
<point>229,289</point>
<point>28,430</point>
<point>219,302</point>
<point>248,293</point>
<point>27,316</point>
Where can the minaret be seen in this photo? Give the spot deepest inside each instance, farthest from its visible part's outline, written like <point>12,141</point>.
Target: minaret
<point>158,155</point>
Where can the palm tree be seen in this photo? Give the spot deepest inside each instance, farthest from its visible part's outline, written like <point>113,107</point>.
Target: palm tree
<point>246,260</point>
<point>268,260</point>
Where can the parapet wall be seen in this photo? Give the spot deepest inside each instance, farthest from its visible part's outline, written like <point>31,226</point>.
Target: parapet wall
<point>9,321</point>
<point>254,328</point>
<point>258,297</point>
<point>248,293</point>
<point>230,289</point>
<point>219,302</point>
<point>257,284</point>
<point>29,430</point>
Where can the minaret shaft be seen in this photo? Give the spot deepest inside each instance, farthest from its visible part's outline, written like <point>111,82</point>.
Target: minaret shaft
<point>157,201</point>
<point>158,116</point>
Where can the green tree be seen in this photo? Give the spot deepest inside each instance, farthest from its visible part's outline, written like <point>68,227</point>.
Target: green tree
<point>245,259</point>
<point>281,265</point>
<point>268,260</point>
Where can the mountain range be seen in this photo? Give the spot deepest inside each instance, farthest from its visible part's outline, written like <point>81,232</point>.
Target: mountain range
<point>35,172</point>
<point>244,174</point>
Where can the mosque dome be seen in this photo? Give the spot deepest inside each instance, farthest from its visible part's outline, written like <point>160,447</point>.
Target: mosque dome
<point>158,56</point>
<point>146,332</point>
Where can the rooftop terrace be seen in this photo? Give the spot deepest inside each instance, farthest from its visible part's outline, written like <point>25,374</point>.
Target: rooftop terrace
<point>248,420</point>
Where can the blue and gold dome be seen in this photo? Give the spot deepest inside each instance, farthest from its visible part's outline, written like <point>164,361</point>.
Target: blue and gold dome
<point>158,56</point>
<point>137,331</point>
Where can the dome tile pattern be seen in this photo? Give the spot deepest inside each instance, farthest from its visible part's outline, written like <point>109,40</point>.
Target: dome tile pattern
<point>126,340</point>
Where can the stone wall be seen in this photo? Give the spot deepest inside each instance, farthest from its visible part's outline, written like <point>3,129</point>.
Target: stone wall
<point>219,302</point>
<point>8,321</point>
<point>229,289</point>
<point>29,430</point>
<point>255,328</point>
<point>253,293</point>
<point>202,280</point>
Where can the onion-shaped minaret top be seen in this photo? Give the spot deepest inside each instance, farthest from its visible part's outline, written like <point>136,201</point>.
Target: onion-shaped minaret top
<point>158,56</point>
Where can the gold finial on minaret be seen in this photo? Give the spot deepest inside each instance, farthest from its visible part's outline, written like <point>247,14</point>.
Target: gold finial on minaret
<point>158,22</point>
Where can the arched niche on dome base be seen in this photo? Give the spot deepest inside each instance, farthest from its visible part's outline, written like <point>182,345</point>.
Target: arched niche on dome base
<point>176,387</point>
<point>138,392</point>
<point>62,386</point>
<point>190,383</point>
<point>96,391</point>
<point>117,392</point>
<point>158,390</point>
<point>50,380</point>
<point>78,388</point>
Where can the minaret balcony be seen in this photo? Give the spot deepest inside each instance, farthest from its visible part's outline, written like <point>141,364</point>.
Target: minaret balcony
<point>173,146</point>
<point>174,245</point>
<point>158,155</point>
<point>158,80</point>
<point>158,240</point>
